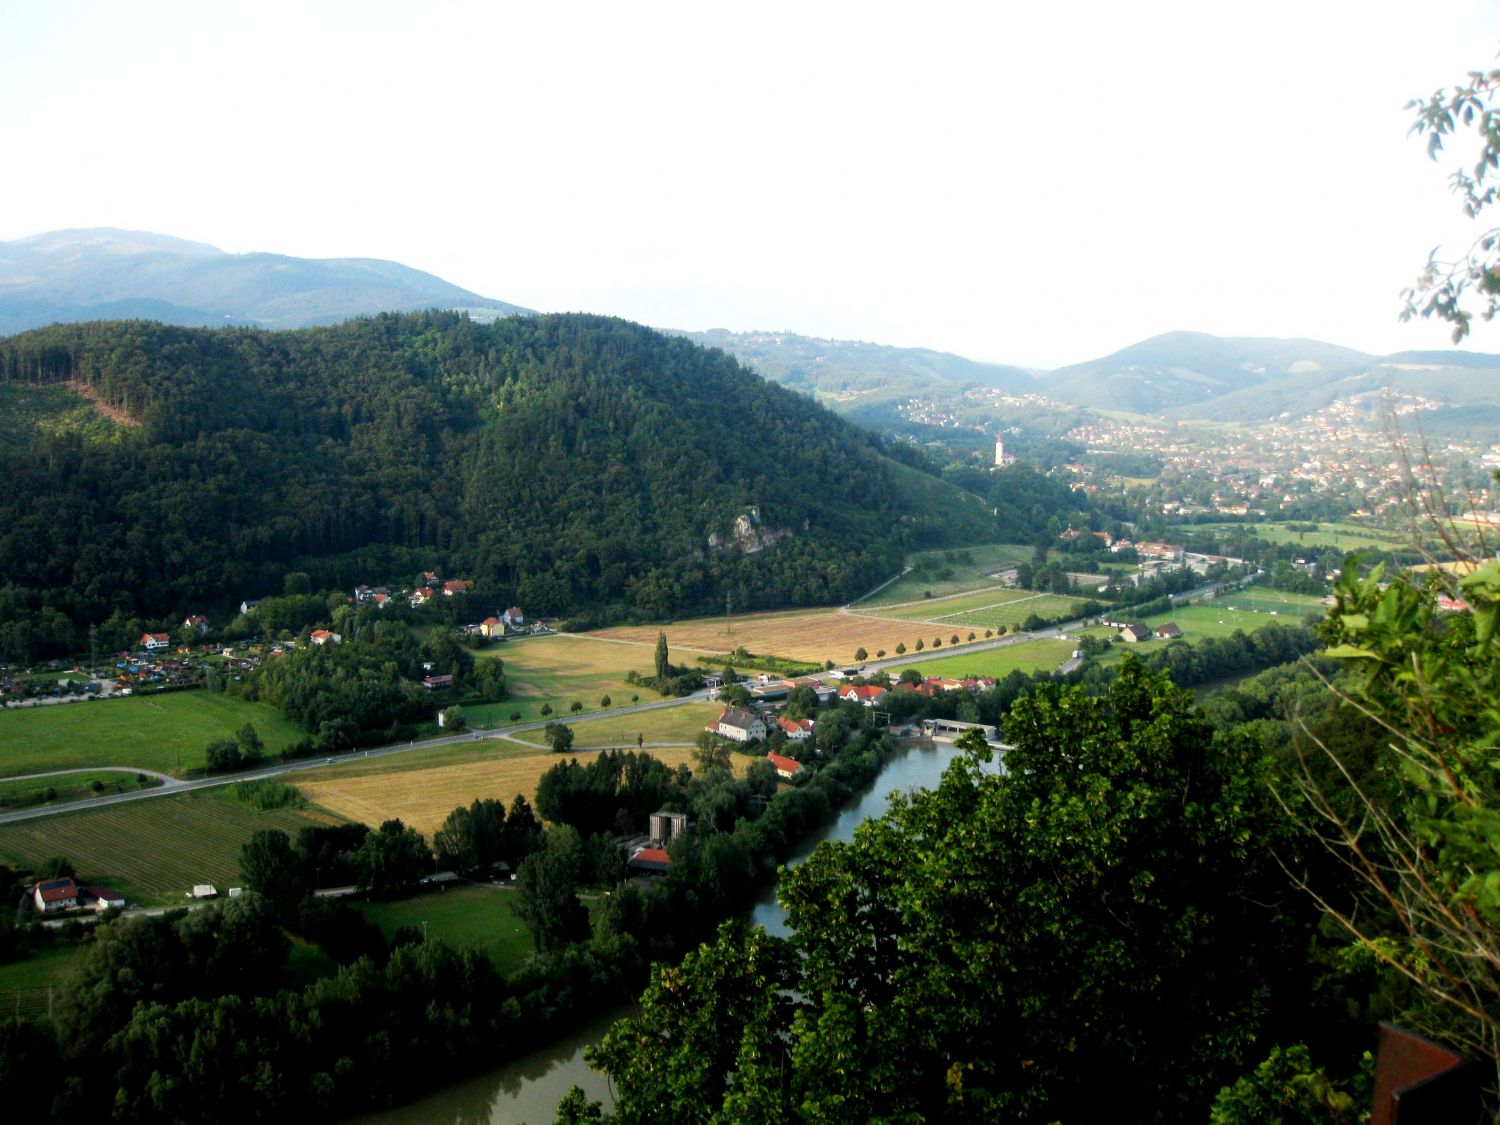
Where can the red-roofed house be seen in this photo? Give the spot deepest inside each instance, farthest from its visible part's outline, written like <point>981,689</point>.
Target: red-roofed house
<point>197,622</point>
<point>53,895</point>
<point>785,767</point>
<point>422,594</point>
<point>455,586</point>
<point>868,694</point>
<point>438,683</point>
<point>323,636</point>
<point>492,627</point>
<point>514,617</point>
<point>798,730</point>
<point>153,641</point>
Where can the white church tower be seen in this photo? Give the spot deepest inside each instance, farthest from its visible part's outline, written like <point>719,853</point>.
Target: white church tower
<point>999,451</point>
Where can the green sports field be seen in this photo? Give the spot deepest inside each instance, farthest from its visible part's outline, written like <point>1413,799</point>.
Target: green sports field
<point>1044,654</point>
<point>165,732</point>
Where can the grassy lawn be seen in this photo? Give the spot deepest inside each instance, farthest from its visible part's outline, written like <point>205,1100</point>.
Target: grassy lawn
<point>668,724</point>
<point>1243,611</point>
<point>151,851</point>
<point>929,566</point>
<point>69,787</point>
<point>556,671</point>
<point>480,916</point>
<point>1041,655</point>
<point>1343,536</point>
<point>162,732</point>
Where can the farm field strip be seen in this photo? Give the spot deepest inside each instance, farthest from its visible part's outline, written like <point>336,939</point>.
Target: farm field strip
<point>152,851</point>
<point>423,798</point>
<point>967,575</point>
<point>815,636</point>
<point>883,610</point>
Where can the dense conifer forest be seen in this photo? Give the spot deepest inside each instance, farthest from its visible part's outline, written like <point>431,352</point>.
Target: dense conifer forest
<point>569,463</point>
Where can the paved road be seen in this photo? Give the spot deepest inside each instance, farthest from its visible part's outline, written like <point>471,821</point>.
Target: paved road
<point>280,769</point>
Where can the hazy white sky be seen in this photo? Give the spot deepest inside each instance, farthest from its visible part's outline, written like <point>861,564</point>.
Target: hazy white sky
<point>1026,183</point>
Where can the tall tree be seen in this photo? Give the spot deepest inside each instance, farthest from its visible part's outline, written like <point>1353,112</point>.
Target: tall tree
<point>663,666</point>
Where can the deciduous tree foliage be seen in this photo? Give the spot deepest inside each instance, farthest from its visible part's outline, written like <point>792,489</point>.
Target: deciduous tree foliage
<point>1095,933</point>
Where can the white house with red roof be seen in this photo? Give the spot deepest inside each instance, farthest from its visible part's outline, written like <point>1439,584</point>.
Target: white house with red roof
<point>514,617</point>
<point>153,641</point>
<point>456,586</point>
<point>796,730</point>
<point>422,594</point>
<point>197,622</point>
<point>787,768</point>
<point>324,636</point>
<point>54,895</point>
<point>867,694</point>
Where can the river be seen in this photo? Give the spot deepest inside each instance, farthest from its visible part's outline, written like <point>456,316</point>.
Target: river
<point>528,1089</point>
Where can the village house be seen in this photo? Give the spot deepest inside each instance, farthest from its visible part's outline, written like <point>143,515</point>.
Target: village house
<point>54,895</point>
<point>323,637</point>
<point>514,618</point>
<point>248,605</point>
<point>438,683</point>
<point>739,724</point>
<point>104,899</point>
<point>796,730</point>
<point>492,627</point>
<point>1134,633</point>
<point>455,586</point>
<point>198,623</point>
<point>868,694</point>
<point>786,768</point>
<point>153,641</point>
<point>1167,632</point>
<point>422,594</point>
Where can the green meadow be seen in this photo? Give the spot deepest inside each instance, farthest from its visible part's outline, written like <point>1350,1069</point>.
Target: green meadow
<point>165,732</point>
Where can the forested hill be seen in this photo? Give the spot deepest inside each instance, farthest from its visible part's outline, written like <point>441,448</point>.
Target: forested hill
<point>561,462</point>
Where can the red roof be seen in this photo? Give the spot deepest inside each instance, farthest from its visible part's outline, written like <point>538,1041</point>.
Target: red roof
<point>55,890</point>
<point>783,764</point>
<point>863,691</point>
<point>653,855</point>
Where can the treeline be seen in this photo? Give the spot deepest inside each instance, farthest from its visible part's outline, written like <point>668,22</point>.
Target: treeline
<point>561,462</point>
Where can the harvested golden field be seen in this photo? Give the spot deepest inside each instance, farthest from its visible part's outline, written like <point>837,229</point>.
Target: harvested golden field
<point>812,635</point>
<point>423,798</point>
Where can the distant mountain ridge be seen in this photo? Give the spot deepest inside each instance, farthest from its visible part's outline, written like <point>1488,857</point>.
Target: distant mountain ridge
<point>107,274</point>
<point>846,368</point>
